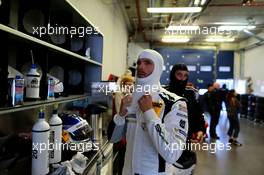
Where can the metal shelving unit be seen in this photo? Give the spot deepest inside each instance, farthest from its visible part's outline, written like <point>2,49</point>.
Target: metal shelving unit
<point>16,42</point>
<point>90,68</point>
<point>36,104</point>
<point>46,44</point>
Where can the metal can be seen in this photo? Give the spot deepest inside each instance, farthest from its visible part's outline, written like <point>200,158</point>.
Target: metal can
<point>19,90</point>
<point>11,91</point>
<point>51,84</point>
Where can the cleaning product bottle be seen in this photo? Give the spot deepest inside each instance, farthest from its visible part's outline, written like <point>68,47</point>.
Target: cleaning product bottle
<point>40,146</point>
<point>19,96</point>
<point>33,82</point>
<point>55,136</point>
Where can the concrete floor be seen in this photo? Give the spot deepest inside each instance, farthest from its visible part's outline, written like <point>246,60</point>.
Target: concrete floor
<point>245,160</point>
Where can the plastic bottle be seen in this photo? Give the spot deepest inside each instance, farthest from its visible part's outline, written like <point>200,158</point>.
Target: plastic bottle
<point>33,82</point>
<point>55,136</point>
<point>40,146</point>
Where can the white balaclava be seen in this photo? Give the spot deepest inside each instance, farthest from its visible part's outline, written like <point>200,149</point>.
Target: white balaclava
<point>150,81</point>
<point>154,77</point>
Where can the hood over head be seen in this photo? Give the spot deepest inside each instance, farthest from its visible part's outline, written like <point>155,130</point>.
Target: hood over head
<point>151,83</point>
<point>177,86</point>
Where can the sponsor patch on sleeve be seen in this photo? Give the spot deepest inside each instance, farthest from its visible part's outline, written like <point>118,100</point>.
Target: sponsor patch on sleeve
<point>183,108</point>
<point>161,133</point>
<point>182,132</point>
<point>182,114</point>
<point>182,124</point>
<point>179,136</point>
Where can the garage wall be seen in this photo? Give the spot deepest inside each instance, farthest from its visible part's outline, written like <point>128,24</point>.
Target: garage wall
<point>237,62</point>
<point>225,65</point>
<point>253,67</point>
<point>201,64</point>
<point>134,50</point>
<point>196,60</point>
<point>107,16</point>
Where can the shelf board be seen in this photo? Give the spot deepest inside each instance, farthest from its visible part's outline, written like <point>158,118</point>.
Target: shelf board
<point>36,104</point>
<point>46,44</point>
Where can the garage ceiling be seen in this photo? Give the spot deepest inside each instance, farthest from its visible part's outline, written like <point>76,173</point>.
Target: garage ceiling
<point>151,27</point>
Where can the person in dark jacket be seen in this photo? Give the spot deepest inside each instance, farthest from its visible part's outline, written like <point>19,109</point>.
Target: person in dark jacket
<point>232,114</point>
<point>178,85</point>
<point>178,80</point>
<point>224,92</point>
<point>214,101</point>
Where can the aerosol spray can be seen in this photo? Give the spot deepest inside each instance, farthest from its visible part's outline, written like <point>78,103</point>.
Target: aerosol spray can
<point>40,146</point>
<point>55,136</point>
<point>33,82</point>
<point>19,96</point>
<point>11,92</point>
<point>15,91</point>
<point>51,84</point>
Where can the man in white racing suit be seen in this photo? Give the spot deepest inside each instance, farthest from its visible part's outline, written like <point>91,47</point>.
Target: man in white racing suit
<point>154,120</point>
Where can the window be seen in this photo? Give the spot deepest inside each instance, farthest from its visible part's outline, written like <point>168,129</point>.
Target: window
<point>206,68</point>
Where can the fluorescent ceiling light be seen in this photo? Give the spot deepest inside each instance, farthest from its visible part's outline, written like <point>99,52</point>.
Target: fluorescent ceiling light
<point>162,16</point>
<point>174,9</point>
<point>196,2</point>
<point>220,39</point>
<point>203,2</point>
<point>174,40</point>
<point>180,27</point>
<point>230,23</point>
<point>236,27</point>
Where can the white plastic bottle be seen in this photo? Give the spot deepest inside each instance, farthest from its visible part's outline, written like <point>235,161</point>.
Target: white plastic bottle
<point>55,137</point>
<point>40,146</point>
<point>32,83</point>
